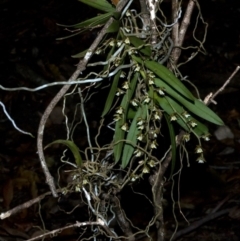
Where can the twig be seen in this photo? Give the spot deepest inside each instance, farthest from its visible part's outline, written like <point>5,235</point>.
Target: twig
<point>80,67</point>
<point>207,101</point>
<point>178,33</point>
<point>76,225</point>
<point>24,205</point>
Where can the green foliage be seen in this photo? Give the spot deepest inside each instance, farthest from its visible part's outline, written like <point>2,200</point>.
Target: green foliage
<point>149,91</point>
<point>73,148</point>
<point>124,106</point>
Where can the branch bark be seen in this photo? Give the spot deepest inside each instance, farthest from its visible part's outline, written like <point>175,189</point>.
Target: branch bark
<point>178,33</point>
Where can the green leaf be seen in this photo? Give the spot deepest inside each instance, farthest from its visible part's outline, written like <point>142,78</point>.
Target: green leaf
<point>167,76</point>
<point>138,43</point>
<point>119,133</point>
<point>173,142</point>
<point>113,90</point>
<point>171,107</point>
<point>203,111</point>
<point>92,22</point>
<point>111,94</point>
<point>118,139</point>
<point>80,55</point>
<point>70,36</point>
<point>73,148</point>
<point>102,5</point>
<point>197,107</point>
<point>131,113</point>
<point>133,132</point>
<point>114,27</point>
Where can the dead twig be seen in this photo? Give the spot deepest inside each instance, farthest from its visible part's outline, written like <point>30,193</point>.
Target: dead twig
<point>59,230</point>
<point>210,98</point>
<point>24,205</point>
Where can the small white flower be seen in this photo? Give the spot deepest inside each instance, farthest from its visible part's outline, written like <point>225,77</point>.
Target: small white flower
<point>119,43</point>
<point>119,110</point>
<point>173,117</point>
<point>127,41</point>
<point>160,91</point>
<point>140,137</point>
<point>112,43</point>
<point>141,162</point>
<point>151,163</point>
<point>154,134</point>
<point>201,159</point>
<point>134,178</point>
<point>85,181</point>
<point>117,61</point>
<point>152,75</point>
<point>137,68</point>
<point>140,121</point>
<point>98,51</point>
<point>125,85</point>
<point>146,99</point>
<point>123,74</point>
<point>119,92</point>
<point>186,114</point>
<point>198,149</point>
<point>192,123</point>
<point>75,177</point>
<point>145,169</point>
<point>130,52</point>
<point>206,137</point>
<point>128,13</point>
<point>134,102</point>
<point>153,145</point>
<point>140,127</point>
<point>156,116</point>
<point>150,81</point>
<point>138,153</point>
<point>124,127</point>
<point>77,188</point>
<point>117,117</point>
<point>154,108</point>
<point>186,137</point>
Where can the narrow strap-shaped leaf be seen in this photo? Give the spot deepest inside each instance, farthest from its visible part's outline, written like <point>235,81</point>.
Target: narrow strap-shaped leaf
<point>119,133</point>
<point>80,55</point>
<point>113,89</point>
<point>102,5</point>
<point>131,138</point>
<point>114,27</point>
<point>167,76</point>
<point>197,107</point>
<point>111,94</point>
<point>171,107</point>
<point>90,23</point>
<point>173,142</point>
<point>206,113</point>
<point>73,148</point>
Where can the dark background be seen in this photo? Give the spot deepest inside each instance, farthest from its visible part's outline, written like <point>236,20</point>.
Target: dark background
<point>30,56</point>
